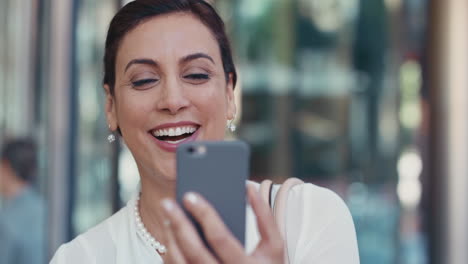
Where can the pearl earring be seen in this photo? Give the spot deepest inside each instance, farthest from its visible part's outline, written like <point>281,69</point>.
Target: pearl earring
<point>111,136</point>
<point>231,127</point>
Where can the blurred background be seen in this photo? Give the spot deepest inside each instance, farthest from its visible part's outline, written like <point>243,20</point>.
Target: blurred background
<point>366,97</point>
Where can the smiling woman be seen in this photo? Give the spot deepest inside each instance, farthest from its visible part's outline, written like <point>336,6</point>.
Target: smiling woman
<point>181,83</point>
<point>169,79</point>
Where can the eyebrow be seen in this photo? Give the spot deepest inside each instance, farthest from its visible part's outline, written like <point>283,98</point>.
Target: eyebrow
<point>196,56</point>
<point>141,61</point>
<point>185,59</point>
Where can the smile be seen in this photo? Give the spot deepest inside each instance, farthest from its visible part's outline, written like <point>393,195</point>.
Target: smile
<point>174,134</point>
<point>170,136</point>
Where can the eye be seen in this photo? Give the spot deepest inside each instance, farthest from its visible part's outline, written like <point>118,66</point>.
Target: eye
<point>197,78</point>
<point>144,84</point>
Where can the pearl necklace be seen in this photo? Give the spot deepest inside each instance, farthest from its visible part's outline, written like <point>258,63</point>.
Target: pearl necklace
<point>147,237</point>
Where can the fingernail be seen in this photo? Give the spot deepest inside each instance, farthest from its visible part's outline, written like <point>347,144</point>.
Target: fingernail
<point>168,205</point>
<point>191,198</point>
<point>167,223</point>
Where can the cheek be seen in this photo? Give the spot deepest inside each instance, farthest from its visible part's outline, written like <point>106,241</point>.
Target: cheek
<point>132,108</point>
<point>212,104</point>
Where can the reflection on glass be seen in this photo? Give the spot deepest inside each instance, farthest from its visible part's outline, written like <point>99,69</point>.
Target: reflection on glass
<point>93,199</point>
<point>321,84</point>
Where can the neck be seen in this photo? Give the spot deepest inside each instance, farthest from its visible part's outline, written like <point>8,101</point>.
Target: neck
<point>152,193</point>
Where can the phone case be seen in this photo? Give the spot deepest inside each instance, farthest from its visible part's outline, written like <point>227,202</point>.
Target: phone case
<point>218,171</point>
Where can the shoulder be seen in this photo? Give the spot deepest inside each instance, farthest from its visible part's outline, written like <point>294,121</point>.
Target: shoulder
<point>319,225</point>
<point>320,206</point>
<point>311,196</point>
<point>96,245</point>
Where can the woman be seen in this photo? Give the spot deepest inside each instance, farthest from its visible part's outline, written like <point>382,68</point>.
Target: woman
<point>169,79</point>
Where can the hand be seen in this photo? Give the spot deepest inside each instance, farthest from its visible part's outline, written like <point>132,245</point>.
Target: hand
<point>187,246</point>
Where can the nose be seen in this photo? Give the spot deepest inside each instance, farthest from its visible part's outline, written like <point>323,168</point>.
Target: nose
<point>172,98</point>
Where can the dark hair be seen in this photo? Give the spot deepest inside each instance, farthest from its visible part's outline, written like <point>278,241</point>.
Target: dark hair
<point>22,157</point>
<point>139,11</point>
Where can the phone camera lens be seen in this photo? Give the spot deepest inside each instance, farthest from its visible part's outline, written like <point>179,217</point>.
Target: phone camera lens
<point>197,150</point>
<point>191,150</point>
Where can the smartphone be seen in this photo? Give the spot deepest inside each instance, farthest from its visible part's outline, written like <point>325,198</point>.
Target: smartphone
<point>218,171</point>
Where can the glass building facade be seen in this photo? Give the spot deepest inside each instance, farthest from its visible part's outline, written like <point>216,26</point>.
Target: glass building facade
<point>331,92</point>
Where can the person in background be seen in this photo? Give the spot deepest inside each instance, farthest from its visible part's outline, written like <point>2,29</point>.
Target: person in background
<point>22,210</point>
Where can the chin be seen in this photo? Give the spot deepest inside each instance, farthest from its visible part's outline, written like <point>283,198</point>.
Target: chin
<point>169,171</point>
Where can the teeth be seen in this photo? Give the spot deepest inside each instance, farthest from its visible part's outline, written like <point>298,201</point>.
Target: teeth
<point>174,142</point>
<point>177,131</point>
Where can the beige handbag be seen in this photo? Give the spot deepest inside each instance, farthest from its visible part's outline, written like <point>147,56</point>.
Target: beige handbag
<point>277,202</point>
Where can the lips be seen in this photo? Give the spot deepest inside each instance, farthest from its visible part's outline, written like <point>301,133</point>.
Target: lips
<point>169,136</point>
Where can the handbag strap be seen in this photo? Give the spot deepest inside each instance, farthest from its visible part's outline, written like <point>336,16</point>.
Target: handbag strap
<point>266,187</point>
<point>280,199</point>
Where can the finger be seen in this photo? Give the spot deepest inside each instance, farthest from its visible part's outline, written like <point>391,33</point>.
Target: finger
<point>174,255</point>
<point>269,232</point>
<point>219,237</point>
<point>186,237</point>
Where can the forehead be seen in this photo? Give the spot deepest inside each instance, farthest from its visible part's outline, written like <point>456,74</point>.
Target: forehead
<point>168,37</point>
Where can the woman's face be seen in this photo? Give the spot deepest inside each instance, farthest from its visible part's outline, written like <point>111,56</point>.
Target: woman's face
<point>170,89</point>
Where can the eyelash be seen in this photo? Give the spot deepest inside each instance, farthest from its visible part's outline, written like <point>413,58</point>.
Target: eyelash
<point>198,76</point>
<point>143,82</point>
<point>146,82</point>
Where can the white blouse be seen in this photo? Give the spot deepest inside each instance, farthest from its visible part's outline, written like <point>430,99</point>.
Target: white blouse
<point>319,230</point>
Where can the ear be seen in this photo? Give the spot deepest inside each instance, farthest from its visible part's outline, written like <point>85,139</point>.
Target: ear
<point>231,103</point>
<point>110,109</point>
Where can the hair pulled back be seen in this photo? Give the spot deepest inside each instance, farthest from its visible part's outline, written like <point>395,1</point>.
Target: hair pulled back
<point>139,11</point>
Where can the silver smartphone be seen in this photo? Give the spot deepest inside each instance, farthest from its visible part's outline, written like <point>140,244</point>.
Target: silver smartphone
<point>218,171</point>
